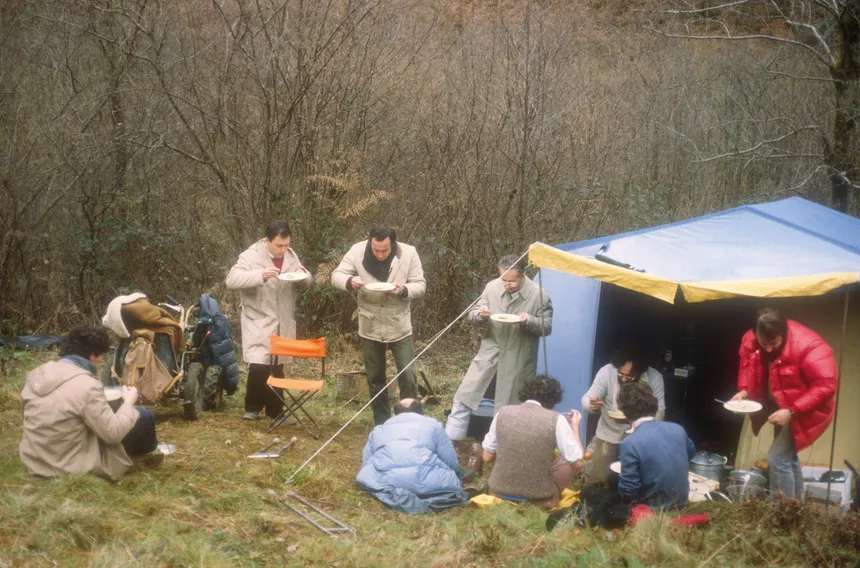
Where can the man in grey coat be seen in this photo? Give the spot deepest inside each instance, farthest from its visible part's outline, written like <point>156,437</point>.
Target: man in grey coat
<point>384,317</point>
<point>268,308</point>
<point>509,349</point>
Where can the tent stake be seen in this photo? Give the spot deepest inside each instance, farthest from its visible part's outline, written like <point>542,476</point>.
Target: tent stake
<point>836,407</point>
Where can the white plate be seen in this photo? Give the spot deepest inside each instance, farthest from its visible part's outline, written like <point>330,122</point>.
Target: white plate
<point>616,415</point>
<point>293,276</point>
<point>742,406</point>
<point>505,318</point>
<point>615,466</point>
<point>380,287</point>
<point>113,393</point>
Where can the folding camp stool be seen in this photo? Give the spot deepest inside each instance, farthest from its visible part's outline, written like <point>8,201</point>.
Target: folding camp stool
<point>298,391</point>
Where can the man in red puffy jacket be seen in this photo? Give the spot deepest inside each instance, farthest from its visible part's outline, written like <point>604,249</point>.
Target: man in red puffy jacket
<point>791,371</point>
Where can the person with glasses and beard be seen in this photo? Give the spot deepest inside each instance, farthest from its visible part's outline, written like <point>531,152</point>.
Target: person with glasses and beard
<point>384,318</point>
<point>628,365</point>
<point>790,370</point>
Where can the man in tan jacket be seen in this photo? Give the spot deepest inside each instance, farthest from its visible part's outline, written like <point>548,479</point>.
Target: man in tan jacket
<point>69,426</point>
<point>384,318</point>
<point>264,276</point>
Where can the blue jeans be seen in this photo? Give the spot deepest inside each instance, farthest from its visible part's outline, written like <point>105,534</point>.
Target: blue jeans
<point>141,439</point>
<point>783,467</point>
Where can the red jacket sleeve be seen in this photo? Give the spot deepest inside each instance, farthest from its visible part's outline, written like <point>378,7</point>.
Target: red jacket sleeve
<point>818,369</point>
<point>744,377</point>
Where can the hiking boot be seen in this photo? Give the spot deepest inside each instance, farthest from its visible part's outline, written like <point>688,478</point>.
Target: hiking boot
<point>251,415</point>
<point>476,459</point>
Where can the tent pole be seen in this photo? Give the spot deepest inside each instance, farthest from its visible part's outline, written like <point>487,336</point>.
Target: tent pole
<point>543,337</point>
<point>836,403</point>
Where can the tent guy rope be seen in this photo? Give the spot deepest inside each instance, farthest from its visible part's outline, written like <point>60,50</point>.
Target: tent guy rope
<point>396,376</point>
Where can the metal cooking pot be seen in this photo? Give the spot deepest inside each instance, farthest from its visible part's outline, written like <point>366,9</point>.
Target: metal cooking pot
<point>745,492</point>
<point>708,464</point>
<point>744,477</point>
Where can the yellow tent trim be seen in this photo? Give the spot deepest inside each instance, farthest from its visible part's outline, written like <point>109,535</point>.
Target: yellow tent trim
<point>545,256</point>
<point>809,285</point>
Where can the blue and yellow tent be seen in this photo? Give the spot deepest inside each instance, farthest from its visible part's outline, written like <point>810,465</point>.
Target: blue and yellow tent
<point>785,249</point>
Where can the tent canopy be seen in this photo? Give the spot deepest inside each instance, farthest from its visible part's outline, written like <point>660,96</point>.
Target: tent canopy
<point>787,248</point>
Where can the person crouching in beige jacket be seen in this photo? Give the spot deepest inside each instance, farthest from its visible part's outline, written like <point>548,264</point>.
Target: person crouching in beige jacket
<point>384,318</point>
<point>268,308</point>
<point>69,427</point>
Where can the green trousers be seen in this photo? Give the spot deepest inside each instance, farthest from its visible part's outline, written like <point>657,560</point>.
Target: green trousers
<point>374,366</point>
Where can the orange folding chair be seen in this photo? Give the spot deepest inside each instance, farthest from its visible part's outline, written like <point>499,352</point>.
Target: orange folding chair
<point>299,391</point>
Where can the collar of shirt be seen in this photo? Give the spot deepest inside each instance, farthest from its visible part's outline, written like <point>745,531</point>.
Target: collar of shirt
<point>641,421</point>
<point>514,295</point>
<point>533,402</point>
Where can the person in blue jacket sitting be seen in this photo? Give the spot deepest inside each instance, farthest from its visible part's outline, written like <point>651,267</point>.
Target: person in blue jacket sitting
<point>410,464</point>
<point>655,456</point>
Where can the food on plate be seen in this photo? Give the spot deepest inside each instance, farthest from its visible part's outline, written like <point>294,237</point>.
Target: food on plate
<point>505,318</point>
<point>292,276</point>
<point>743,406</point>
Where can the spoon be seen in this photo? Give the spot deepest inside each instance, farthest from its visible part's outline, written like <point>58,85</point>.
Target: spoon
<point>720,401</point>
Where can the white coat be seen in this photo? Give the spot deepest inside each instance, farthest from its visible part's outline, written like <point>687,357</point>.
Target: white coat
<point>268,308</point>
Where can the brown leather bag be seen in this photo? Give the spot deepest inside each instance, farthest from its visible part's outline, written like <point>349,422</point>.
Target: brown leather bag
<point>145,371</point>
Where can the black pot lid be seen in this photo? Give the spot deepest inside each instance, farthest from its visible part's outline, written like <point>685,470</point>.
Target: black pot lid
<point>704,457</point>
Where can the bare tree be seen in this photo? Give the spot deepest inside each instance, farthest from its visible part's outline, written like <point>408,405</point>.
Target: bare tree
<point>824,32</point>
<point>145,142</point>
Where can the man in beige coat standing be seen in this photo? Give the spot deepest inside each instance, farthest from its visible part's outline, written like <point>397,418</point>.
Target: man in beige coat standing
<point>69,426</point>
<point>384,318</point>
<point>508,351</point>
<point>263,275</point>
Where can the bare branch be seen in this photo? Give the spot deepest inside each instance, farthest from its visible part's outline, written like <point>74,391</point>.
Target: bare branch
<point>818,37</point>
<point>697,10</point>
<point>800,77</point>
<point>757,146</point>
<point>765,37</point>
<point>682,135</point>
<point>831,7</point>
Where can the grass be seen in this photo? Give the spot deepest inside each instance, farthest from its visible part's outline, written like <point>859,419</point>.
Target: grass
<point>208,505</point>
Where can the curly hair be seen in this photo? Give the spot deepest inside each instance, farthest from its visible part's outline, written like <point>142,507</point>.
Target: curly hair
<point>636,400</point>
<point>544,389</point>
<point>85,341</point>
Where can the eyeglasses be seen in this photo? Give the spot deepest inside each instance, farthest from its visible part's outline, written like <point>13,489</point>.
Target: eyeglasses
<point>624,377</point>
